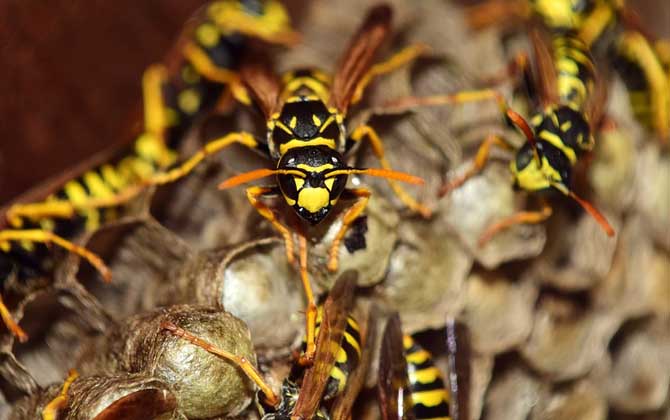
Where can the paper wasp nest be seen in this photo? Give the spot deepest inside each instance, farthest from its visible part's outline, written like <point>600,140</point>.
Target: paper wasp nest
<point>566,323</point>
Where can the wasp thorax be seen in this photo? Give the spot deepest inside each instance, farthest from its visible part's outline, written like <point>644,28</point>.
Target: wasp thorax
<point>313,189</point>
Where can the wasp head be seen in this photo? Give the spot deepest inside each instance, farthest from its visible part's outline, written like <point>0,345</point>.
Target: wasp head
<point>315,183</point>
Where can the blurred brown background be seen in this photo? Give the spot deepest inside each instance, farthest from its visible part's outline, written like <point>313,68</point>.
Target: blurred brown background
<point>71,77</point>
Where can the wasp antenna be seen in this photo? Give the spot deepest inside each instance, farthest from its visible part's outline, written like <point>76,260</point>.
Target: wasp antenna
<point>521,123</point>
<point>254,175</point>
<point>598,216</point>
<point>380,173</point>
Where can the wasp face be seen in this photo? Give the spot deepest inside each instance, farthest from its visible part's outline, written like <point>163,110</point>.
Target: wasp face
<point>314,192</point>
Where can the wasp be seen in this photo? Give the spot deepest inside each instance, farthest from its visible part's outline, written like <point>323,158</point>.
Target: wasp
<point>568,108</point>
<point>611,29</point>
<point>308,142</point>
<point>410,386</point>
<point>202,67</point>
<point>326,389</point>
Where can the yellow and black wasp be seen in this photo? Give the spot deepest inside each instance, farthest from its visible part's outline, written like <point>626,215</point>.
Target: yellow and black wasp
<point>609,29</point>
<point>202,67</point>
<point>308,142</point>
<point>568,110</point>
<point>411,386</point>
<point>326,389</point>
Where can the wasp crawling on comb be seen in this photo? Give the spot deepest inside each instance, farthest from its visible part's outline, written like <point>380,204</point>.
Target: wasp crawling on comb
<point>569,104</point>
<point>326,389</point>
<point>613,32</point>
<point>411,386</point>
<point>308,142</point>
<point>202,66</point>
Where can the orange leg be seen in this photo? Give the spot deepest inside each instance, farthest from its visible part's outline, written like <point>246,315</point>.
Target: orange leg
<point>253,194</point>
<point>12,326</point>
<point>367,132</point>
<point>50,411</point>
<point>481,158</point>
<point>310,315</point>
<point>240,361</point>
<point>46,237</point>
<point>533,217</point>
<point>348,218</point>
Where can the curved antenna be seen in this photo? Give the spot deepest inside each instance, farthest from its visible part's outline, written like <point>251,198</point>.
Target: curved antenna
<point>245,177</point>
<point>379,173</point>
<point>590,209</point>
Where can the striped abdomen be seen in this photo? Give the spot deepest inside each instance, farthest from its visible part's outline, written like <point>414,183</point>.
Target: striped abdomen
<point>347,358</point>
<point>575,71</point>
<point>430,397</point>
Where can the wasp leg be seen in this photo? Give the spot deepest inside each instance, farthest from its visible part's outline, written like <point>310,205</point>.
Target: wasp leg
<point>401,58</point>
<point>11,324</point>
<point>50,411</point>
<point>240,361</point>
<point>253,195</point>
<point>532,217</point>
<point>66,209</point>
<point>367,132</point>
<point>310,316</point>
<point>348,218</point>
<point>481,158</point>
<point>206,67</point>
<point>46,237</point>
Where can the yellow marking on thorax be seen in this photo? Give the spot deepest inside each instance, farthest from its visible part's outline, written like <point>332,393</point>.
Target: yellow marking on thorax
<point>431,398</point>
<point>534,178</point>
<point>316,120</point>
<point>317,141</point>
<point>555,140</point>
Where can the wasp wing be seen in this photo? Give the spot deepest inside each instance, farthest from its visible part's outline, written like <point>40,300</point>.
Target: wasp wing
<point>544,73</point>
<point>335,310</point>
<point>341,409</point>
<point>393,381</point>
<point>459,353</point>
<point>259,78</point>
<point>357,60</point>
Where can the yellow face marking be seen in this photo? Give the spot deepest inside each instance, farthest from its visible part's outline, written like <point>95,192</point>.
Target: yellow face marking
<point>318,141</point>
<point>534,178</point>
<point>313,199</point>
<point>329,183</point>
<point>299,182</point>
<point>321,168</point>
<point>207,35</point>
<point>293,123</point>
<point>566,126</point>
<point>189,101</point>
<point>316,120</point>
